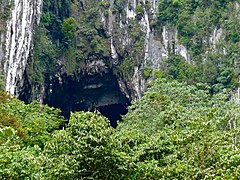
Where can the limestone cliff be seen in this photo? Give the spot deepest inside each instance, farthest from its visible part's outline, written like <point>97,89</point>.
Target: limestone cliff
<point>16,39</point>
<point>110,40</point>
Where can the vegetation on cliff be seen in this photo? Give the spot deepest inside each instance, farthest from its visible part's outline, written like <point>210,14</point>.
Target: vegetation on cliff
<point>210,31</point>
<point>184,127</point>
<point>72,34</point>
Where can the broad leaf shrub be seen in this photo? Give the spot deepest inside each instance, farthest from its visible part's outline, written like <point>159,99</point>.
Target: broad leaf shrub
<point>86,149</point>
<point>24,130</point>
<point>175,131</point>
<point>190,133</point>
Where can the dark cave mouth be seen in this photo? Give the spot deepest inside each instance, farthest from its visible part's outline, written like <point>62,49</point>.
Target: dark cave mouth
<point>99,92</point>
<point>113,112</point>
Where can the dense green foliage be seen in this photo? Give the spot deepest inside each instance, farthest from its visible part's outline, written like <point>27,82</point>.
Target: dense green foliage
<point>4,14</point>
<point>175,131</point>
<point>194,19</point>
<point>32,122</point>
<point>73,33</point>
<point>196,22</point>
<point>216,72</point>
<point>1,82</point>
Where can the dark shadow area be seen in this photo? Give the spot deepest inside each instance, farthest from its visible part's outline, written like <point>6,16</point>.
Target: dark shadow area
<point>113,112</point>
<point>89,92</point>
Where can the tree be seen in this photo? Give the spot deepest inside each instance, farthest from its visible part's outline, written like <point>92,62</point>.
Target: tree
<point>69,28</point>
<point>175,131</point>
<point>85,149</point>
<point>188,133</point>
<point>1,83</point>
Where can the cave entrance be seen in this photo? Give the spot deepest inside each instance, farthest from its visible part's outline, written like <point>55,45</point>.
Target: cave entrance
<point>113,112</point>
<point>98,91</point>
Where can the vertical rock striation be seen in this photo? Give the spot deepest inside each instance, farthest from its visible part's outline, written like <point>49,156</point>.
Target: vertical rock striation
<point>128,28</point>
<point>24,15</point>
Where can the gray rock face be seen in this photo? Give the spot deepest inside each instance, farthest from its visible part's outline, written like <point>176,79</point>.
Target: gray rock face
<point>16,45</point>
<point>4,12</point>
<point>24,15</point>
<point>156,46</point>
